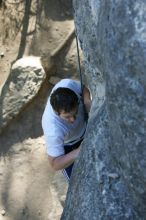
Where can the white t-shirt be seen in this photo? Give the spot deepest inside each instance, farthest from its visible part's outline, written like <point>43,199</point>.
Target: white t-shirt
<point>57,131</point>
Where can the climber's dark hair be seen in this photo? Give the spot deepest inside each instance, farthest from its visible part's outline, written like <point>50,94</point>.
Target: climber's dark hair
<point>63,99</point>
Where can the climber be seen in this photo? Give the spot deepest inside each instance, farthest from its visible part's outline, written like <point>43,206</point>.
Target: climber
<point>64,124</point>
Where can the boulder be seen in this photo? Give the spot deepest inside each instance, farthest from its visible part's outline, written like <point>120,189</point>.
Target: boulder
<point>109,177</point>
<point>22,85</point>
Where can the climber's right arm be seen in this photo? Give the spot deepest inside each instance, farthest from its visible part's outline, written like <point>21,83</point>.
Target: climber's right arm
<point>63,161</point>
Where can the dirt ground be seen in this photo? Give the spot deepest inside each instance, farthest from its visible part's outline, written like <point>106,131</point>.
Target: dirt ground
<point>29,190</point>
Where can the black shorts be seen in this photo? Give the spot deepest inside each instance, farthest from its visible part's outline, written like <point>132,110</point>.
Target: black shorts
<point>68,148</point>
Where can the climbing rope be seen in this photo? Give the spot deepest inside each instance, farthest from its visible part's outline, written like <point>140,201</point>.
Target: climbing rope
<point>79,70</point>
<point>80,76</point>
<point>78,53</point>
<point>79,62</point>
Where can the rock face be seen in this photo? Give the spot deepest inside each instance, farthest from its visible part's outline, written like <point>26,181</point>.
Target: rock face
<point>109,177</point>
<point>23,83</point>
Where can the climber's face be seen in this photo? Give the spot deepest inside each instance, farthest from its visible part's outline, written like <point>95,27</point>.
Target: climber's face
<point>69,116</point>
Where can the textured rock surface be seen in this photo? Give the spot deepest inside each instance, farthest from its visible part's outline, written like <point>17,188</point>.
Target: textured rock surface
<point>24,82</point>
<point>109,177</point>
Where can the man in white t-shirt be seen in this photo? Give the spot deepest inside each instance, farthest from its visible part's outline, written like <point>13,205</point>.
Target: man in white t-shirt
<point>64,124</point>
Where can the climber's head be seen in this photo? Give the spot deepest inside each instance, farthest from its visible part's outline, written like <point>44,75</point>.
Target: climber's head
<point>65,103</point>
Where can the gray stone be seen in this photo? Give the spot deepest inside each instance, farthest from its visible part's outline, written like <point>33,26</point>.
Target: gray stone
<point>3,212</point>
<point>22,85</point>
<point>2,54</point>
<point>109,177</point>
<point>54,79</point>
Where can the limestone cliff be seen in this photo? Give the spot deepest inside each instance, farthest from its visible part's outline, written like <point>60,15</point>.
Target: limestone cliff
<point>109,177</point>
